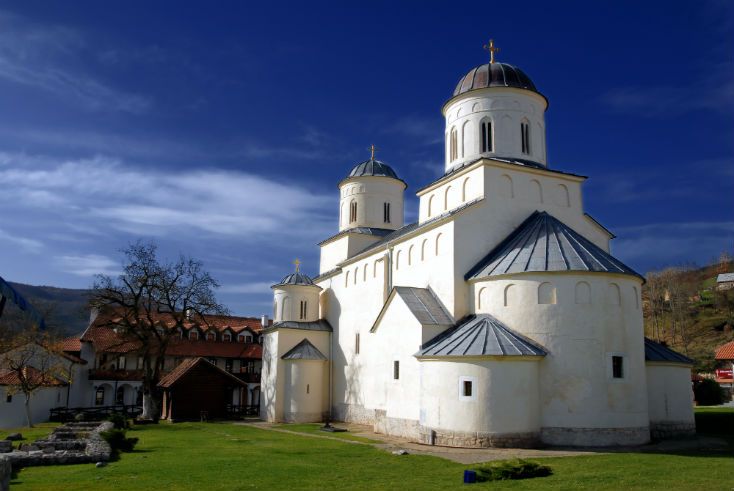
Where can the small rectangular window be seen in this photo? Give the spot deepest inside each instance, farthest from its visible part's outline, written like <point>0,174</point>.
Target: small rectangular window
<point>617,367</point>
<point>396,370</point>
<point>140,363</point>
<point>386,212</point>
<point>99,397</point>
<point>308,388</point>
<point>467,389</point>
<point>228,365</point>
<point>121,363</point>
<point>9,398</point>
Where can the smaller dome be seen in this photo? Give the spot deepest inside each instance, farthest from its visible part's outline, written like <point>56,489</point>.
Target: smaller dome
<point>373,167</point>
<point>494,75</point>
<point>296,278</point>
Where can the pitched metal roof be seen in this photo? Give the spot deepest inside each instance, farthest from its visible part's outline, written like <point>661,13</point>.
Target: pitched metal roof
<point>304,351</point>
<point>725,277</point>
<point>481,335</point>
<point>319,325</point>
<point>544,243</point>
<point>296,278</point>
<point>494,75</point>
<point>424,305</point>
<point>657,352</point>
<point>377,232</point>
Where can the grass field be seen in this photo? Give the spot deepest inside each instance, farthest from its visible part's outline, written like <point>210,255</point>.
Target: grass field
<point>214,456</point>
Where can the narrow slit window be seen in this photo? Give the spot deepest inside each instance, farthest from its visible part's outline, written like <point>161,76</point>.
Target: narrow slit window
<point>352,212</point>
<point>617,367</point>
<point>308,388</point>
<point>304,306</point>
<point>356,343</point>
<point>487,136</point>
<point>396,370</point>
<point>525,135</point>
<point>467,388</point>
<point>386,212</point>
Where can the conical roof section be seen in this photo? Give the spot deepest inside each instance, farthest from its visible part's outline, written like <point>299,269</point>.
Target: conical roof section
<point>481,335</point>
<point>296,278</point>
<point>544,243</point>
<point>304,351</point>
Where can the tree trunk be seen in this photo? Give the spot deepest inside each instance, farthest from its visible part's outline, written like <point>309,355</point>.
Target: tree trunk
<point>148,406</point>
<point>28,410</point>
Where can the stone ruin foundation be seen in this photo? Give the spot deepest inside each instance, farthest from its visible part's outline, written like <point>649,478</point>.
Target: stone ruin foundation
<point>72,443</point>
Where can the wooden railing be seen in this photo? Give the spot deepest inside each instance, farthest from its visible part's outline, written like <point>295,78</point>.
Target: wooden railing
<point>238,411</point>
<point>93,413</point>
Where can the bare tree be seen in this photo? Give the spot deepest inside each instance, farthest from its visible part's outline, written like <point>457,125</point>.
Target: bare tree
<point>30,363</point>
<point>149,302</point>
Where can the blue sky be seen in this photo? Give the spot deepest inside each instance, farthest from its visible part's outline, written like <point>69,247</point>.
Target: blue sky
<point>220,129</point>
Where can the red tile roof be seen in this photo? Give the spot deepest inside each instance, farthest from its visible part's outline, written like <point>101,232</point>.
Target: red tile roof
<point>183,368</point>
<point>10,377</point>
<point>725,352</point>
<point>72,344</point>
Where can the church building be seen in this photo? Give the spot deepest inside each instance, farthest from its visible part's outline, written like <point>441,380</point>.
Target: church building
<point>499,318</point>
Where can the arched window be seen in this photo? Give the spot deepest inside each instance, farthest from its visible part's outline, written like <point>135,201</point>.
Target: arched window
<point>486,136</point>
<point>525,137</point>
<point>410,255</point>
<point>386,212</point>
<point>240,338</point>
<point>431,205</point>
<point>424,247</point>
<point>397,260</point>
<point>446,198</point>
<point>438,244</point>
<point>352,211</point>
<point>546,293</point>
<point>509,295</point>
<point>227,337</point>
<point>453,143</point>
<point>615,297</point>
<point>536,191</point>
<point>465,190</point>
<point>479,297</point>
<point>211,336</point>
<point>303,309</point>
<point>465,129</point>
<point>506,188</point>
<point>583,292</point>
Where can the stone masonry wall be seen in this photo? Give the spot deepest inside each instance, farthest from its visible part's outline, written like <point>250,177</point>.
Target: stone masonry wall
<point>662,430</point>
<point>595,437</point>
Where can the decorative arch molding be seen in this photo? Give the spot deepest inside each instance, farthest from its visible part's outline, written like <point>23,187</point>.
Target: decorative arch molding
<point>508,297</point>
<point>583,293</point>
<point>356,273</point>
<point>438,243</point>
<point>346,279</point>
<point>285,313</point>
<point>637,297</point>
<point>536,191</point>
<point>410,254</point>
<point>465,190</point>
<point>614,296</point>
<point>465,133</point>
<point>397,260</point>
<point>424,249</point>
<point>480,304</point>
<point>374,268</point>
<point>546,294</point>
<point>446,198</point>
<point>364,272</point>
<point>562,196</point>
<point>431,205</point>
<point>506,187</point>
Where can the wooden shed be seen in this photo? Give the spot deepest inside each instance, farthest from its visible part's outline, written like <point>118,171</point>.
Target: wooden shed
<point>198,389</point>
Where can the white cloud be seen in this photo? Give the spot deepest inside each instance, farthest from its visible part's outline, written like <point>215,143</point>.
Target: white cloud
<point>28,245</point>
<point>263,288</point>
<point>88,265</point>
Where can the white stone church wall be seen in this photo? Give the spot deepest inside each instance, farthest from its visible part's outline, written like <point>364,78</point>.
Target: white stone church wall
<point>670,396</point>
<point>582,320</point>
<point>370,193</point>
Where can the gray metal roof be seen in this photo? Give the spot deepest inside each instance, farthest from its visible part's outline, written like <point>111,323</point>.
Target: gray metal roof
<point>725,277</point>
<point>657,352</point>
<point>544,243</point>
<point>416,226</point>
<point>481,335</point>
<point>377,232</point>
<point>319,325</point>
<point>304,351</point>
<point>494,75</point>
<point>424,305</point>
<point>372,167</point>
<point>296,278</point>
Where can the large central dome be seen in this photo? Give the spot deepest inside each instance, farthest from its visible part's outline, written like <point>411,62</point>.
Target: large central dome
<point>494,75</point>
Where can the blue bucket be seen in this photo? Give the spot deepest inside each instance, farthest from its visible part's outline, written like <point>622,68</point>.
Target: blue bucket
<point>470,477</point>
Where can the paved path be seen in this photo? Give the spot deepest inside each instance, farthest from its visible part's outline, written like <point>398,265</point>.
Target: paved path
<point>477,455</point>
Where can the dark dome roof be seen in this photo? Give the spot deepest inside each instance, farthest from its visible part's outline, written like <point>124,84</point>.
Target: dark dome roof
<point>373,167</point>
<point>296,278</point>
<point>494,75</point>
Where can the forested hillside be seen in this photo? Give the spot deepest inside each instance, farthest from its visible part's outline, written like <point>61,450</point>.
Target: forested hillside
<point>684,309</point>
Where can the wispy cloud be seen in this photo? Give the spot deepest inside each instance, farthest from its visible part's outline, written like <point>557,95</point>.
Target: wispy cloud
<point>88,265</point>
<point>249,288</point>
<point>48,58</point>
<point>26,244</point>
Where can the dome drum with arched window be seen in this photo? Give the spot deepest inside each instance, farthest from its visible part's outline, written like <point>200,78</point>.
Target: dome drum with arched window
<point>371,196</point>
<point>296,299</point>
<point>495,111</point>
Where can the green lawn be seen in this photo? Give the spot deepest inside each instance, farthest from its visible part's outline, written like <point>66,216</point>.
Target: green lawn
<point>39,430</point>
<point>314,429</point>
<point>212,456</point>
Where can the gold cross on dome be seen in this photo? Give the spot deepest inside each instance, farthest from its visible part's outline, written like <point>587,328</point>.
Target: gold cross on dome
<point>297,262</point>
<point>492,50</point>
<point>372,151</point>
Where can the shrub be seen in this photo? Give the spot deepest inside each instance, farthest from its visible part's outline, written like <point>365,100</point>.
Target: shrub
<point>513,469</point>
<point>119,420</point>
<point>118,440</point>
<point>709,393</point>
